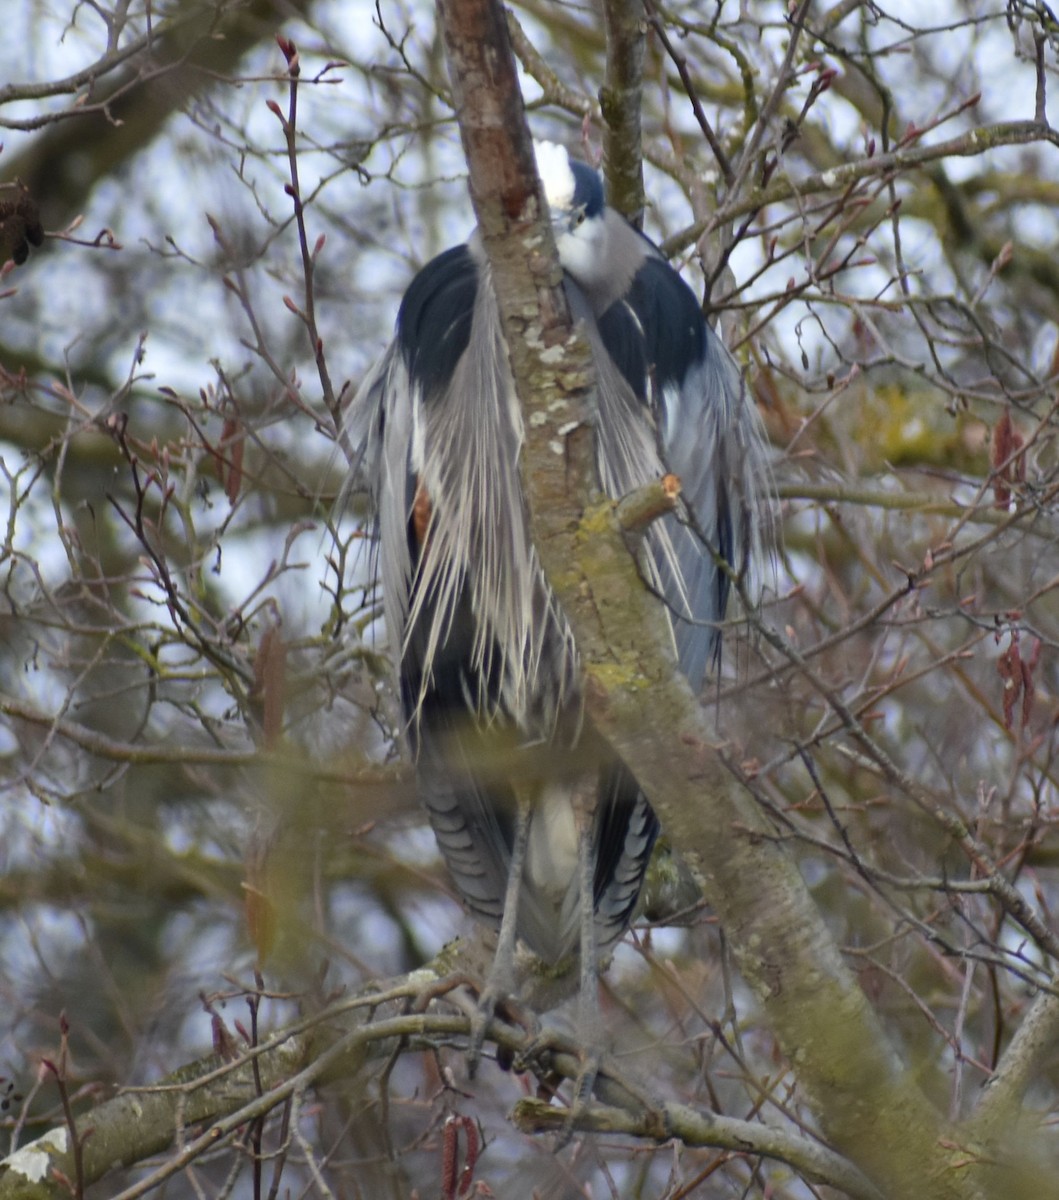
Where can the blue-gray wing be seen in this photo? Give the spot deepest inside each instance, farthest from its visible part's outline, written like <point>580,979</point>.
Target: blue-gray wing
<point>486,661</point>
<point>402,430</point>
<point>690,415</point>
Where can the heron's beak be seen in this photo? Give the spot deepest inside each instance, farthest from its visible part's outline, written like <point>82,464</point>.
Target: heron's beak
<point>564,224</point>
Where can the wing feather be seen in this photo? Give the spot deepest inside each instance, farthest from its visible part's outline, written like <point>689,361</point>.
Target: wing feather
<point>672,399</point>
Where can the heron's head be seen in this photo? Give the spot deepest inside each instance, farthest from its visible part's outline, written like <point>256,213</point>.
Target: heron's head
<point>575,199</point>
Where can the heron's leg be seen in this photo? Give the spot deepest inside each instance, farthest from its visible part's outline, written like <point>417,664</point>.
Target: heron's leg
<point>590,1040</point>
<point>500,980</point>
<point>589,1019</point>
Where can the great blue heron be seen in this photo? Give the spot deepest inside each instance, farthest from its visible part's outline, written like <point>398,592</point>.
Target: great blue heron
<point>485,654</point>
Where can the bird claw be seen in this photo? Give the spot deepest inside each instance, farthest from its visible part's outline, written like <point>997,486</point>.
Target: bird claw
<point>535,1054</point>
<point>542,1043</point>
<point>484,1011</point>
<point>494,1001</point>
<point>584,1083</point>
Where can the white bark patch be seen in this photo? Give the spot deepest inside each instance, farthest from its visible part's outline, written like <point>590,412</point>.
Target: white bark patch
<point>34,1160</point>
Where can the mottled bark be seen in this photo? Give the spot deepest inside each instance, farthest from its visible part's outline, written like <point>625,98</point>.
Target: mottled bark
<point>621,102</point>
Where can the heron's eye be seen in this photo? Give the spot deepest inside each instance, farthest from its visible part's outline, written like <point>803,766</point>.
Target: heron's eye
<point>579,217</point>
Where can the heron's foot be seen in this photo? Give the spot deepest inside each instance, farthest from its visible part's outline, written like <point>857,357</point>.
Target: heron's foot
<point>544,1045</point>
<point>515,1013</point>
<point>484,1011</point>
<point>495,1001</point>
<point>584,1083</point>
<point>542,1055</point>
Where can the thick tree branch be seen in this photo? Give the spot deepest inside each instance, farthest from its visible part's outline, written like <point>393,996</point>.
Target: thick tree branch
<point>1000,1105</point>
